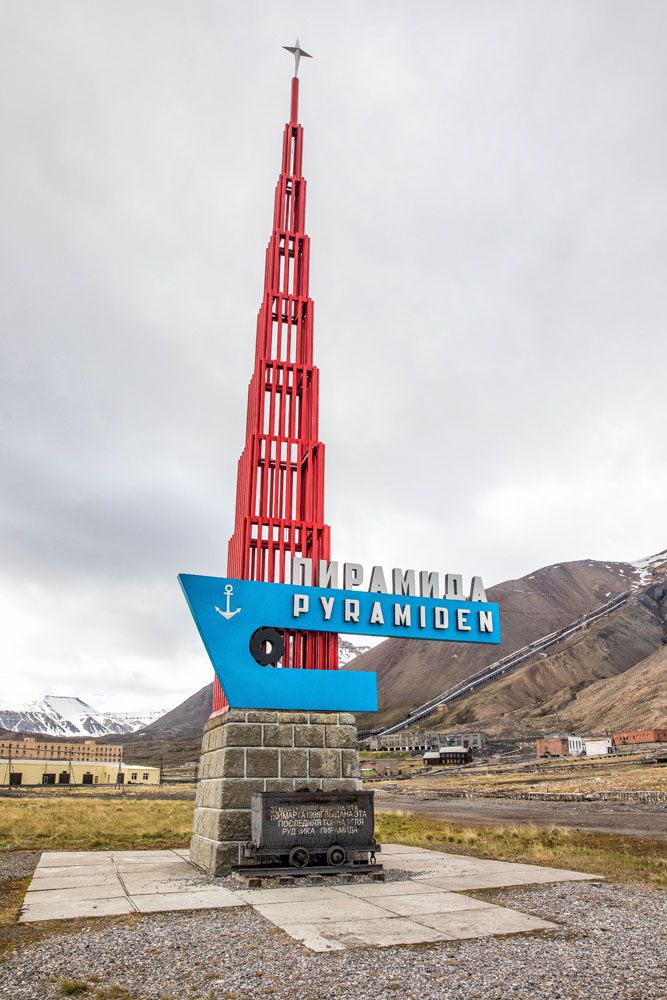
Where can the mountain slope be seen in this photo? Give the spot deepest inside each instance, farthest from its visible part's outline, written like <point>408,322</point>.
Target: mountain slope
<point>551,692</point>
<point>410,671</point>
<point>636,699</point>
<point>187,718</point>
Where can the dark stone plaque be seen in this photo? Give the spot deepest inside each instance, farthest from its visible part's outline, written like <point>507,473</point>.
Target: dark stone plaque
<point>281,821</point>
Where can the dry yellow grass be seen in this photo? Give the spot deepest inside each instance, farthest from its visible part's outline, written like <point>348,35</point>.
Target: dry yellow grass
<point>582,776</point>
<point>175,791</point>
<point>622,858</point>
<point>70,824</point>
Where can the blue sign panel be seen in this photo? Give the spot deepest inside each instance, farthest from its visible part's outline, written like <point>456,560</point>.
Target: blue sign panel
<point>229,612</point>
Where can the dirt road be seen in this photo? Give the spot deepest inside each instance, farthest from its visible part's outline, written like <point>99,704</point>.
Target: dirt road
<point>624,819</point>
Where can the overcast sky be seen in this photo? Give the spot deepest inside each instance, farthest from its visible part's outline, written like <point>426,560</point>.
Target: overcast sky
<point>487,208</point>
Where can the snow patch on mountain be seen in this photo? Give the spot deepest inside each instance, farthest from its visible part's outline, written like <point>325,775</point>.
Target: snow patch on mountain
<point>56,715</point>
<point>349,650</point>
<point>647,568</point>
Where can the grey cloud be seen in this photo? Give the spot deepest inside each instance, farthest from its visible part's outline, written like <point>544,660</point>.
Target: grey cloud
<point>487,208</point>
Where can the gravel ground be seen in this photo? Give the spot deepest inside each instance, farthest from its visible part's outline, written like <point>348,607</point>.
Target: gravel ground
<point>610,948</point>
<point>18,864</point>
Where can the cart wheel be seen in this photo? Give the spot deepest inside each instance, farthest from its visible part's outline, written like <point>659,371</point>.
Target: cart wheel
<point>299,857</point>
<point>336,856</point>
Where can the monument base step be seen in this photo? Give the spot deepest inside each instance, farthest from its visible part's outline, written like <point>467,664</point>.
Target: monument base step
<point>275,871</point>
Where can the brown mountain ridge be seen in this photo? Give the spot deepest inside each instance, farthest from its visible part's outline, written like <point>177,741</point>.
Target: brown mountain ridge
<point>568,688</point>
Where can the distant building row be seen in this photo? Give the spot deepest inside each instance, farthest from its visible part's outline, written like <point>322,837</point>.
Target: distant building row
<point>85,762</point>
<point>16,773</point>
<point>428,741</point>
<point>34,749</point>
<point>568,746</point>
<point>385,767</point>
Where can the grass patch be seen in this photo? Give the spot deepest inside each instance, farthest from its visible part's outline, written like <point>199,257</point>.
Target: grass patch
<point>182,790</point>
<point>72,987</point>
<point>12,892</point>
<point>90,989</point>
<point>624,859</point>
<point>94,824</point>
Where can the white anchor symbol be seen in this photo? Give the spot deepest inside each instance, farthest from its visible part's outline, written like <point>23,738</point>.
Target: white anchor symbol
<point>229,590</point>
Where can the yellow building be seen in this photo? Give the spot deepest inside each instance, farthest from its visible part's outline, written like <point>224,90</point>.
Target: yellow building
<point>23,771</point>
<point>89,750</point>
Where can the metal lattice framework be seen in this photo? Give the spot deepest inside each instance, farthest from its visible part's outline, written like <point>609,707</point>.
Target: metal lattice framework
<point>280,491</point>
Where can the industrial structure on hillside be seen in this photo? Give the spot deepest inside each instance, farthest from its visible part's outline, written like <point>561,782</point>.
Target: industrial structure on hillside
<point>429,740</point>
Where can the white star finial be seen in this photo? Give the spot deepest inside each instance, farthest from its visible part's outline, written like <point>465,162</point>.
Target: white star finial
<point>297,52</point>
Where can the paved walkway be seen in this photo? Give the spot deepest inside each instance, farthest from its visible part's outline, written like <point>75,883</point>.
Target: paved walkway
<point>425,905</point>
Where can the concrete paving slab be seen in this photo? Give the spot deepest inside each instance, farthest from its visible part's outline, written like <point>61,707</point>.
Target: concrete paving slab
<point>489,868</point>
<point>75,909</point>
<point>58,871</point>
<point>40,896</point>
<point>461,883</point>
<point>371,890</point>
<point>553,874</point>
<point>183,852</point>
<point>135,885</point>
<point>63,882</point>
<point>166,858</point>
<point>405,849</point>
<point>421,864</point>
<point>207,899</point>
<point>288,894</point>
<point>316,911</point>
<point>495,880</point>
<point>382,932</point>
<point>160,890</point>
<point>466,859</point>
<point>327,917</point>
<point>491,920</point>
<point>311,936</point>
<point>50,859</point>
<point>158,869</point>
<point>418,904</point>
<point>161,854</point>
<point>48,855</point>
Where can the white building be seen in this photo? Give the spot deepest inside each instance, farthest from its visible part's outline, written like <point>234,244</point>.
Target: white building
<point>598,746</point>
<point>575,745</point>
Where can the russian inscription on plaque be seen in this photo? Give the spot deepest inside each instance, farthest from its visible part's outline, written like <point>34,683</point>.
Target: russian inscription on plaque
<point>313,829</point>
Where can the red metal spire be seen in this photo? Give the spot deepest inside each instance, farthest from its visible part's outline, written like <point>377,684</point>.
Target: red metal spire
<point>280,490</point>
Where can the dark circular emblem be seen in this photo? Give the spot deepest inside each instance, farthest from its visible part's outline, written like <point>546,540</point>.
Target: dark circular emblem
<point>267,645</point>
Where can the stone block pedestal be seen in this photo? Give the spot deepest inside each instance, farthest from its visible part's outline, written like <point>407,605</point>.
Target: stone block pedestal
<point>262,751</point>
